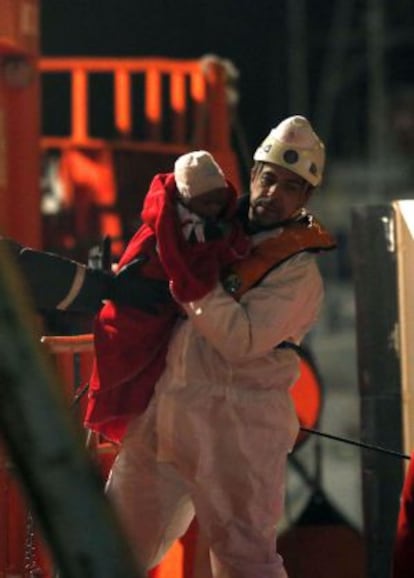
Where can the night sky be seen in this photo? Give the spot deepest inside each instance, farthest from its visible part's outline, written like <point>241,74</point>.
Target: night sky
<point>255,35</point>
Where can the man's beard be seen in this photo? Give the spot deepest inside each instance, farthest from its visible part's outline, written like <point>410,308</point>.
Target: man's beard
<point>264,202</point>
<point>254,223</point>
<point>255,220</point>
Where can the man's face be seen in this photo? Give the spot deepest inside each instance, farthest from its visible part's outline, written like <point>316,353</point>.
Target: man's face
<point>276,194</point>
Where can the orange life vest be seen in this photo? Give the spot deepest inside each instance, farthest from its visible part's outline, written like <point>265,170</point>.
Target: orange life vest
<point>306,234</point>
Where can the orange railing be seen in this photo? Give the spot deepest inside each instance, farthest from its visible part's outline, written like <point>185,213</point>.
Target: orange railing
<point>120,121</point>
<point>176,101</point>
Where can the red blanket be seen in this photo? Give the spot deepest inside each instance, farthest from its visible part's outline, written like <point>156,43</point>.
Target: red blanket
<point>131,345</point>
<point>403,566</point>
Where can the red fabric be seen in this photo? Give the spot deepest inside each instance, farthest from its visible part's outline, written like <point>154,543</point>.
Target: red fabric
<point>193,269</point>
<point>131,345</point>
<point>403,558</point>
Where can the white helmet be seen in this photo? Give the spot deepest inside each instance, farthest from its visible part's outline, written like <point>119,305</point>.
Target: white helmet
<point>295,146</point>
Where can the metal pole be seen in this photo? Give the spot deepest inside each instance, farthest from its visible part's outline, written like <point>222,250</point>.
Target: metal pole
<point>379,370</point>
<point>298,99</point>
<point>375,28</point>
<point>333,66</point>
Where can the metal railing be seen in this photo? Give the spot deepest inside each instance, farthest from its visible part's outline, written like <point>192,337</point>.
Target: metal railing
<point>174,102</point>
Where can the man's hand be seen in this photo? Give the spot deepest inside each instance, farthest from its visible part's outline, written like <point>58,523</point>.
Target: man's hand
<point>128,287</point>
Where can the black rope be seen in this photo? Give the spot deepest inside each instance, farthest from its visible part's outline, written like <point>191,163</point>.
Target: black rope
<point>80,392</point>
<point>356,443</point>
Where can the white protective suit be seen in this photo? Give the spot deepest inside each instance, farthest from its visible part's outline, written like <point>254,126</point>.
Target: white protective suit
<point>216,435</point>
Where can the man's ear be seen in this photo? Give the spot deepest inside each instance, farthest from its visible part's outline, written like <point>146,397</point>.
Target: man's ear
<point>308,193</point>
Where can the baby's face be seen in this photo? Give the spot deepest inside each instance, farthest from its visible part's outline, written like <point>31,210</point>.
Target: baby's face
<point>210,204</point>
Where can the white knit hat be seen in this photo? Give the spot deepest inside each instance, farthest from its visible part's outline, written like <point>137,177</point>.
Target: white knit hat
<point>197,172</point>
<point>295,146</point>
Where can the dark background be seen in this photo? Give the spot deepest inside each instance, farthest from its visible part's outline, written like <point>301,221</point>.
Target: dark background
<point>263,38</point>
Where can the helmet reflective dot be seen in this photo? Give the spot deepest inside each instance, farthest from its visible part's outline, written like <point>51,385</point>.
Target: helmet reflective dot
<point>290,156</point>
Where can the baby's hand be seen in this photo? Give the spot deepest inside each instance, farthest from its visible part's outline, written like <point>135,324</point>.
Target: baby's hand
<point>214,230</point>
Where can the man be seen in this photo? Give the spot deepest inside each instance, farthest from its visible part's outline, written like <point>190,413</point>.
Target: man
<point>215,438</point>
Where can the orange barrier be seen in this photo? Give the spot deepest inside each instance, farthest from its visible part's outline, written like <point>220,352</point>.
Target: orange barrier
<point>19,121</point>
<point>307,394</point>
<point>22,551</point>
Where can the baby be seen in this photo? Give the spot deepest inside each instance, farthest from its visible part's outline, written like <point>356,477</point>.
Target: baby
<point>188,237</point>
